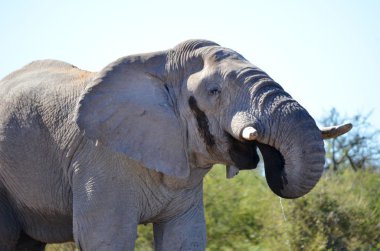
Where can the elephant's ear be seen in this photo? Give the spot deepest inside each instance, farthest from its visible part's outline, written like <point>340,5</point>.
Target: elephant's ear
<point>128,108</point>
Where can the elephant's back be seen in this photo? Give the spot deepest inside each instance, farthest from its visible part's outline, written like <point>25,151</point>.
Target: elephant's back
<point>39,97</point>
<point>42,73</point>
<point>47,88</point>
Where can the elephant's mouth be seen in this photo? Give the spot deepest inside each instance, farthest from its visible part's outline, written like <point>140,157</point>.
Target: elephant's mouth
<point>243,154</point>
<point>245,157</point>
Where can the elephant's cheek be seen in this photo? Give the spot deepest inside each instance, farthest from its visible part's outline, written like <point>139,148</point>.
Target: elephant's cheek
<point>202,124</point>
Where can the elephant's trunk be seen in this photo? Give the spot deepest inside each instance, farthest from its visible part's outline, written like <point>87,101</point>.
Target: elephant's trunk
<point>287,136</point>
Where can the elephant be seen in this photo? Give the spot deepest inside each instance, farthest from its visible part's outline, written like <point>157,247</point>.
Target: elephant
<point>87,156</point>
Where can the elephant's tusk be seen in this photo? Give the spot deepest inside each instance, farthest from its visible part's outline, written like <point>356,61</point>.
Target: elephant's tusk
<point>335,131</point>
<point>249,133</point>
<point>231,171</point>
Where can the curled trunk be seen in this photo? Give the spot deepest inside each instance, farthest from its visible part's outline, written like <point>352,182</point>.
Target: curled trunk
<point>287,136</point>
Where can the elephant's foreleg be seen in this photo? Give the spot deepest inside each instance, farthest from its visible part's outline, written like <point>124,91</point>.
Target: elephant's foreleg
<point>105,214</point>
<point>104,232</point>
<point>186,232</point>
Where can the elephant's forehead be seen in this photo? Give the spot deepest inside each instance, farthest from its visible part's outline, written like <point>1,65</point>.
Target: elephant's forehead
<point>218,54</point>
<point>229,68</point>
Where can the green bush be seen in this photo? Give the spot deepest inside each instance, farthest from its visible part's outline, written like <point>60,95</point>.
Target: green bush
<point>61,247</point>
<point>237,211</point>
<point>341,213</point>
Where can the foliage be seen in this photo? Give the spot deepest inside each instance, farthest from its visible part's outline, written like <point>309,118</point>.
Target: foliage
<point>358,149</point>
<point>233,222</point>
<point>341,213</point>
<point>145,240</point>
<point>61,247</point>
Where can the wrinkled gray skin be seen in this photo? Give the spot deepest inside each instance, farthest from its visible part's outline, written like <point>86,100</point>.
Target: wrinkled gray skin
<point>88,156</point>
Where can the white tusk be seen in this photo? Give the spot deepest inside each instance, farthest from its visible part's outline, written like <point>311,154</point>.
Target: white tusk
<point>231,171</point>
<point>335,131</point>
<point>249,133</point>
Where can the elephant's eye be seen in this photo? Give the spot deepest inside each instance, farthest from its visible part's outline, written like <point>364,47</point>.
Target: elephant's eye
<point>214,91</point>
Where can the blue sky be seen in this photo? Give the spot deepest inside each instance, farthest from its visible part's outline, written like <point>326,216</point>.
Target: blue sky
<point>324,53</point>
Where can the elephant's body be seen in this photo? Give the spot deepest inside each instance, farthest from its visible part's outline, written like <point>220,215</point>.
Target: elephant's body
<point>89,156</point>
<point>58,187</point>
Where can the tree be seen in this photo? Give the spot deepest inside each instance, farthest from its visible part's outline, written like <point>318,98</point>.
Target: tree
<point>358,149</point>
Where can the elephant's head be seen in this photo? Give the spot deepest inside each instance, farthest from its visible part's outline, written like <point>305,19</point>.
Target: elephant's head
<point>200,104</point>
